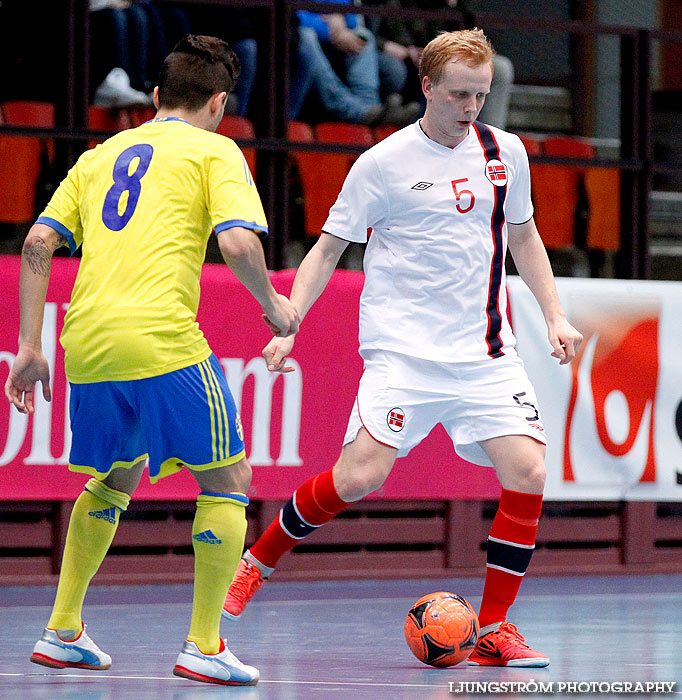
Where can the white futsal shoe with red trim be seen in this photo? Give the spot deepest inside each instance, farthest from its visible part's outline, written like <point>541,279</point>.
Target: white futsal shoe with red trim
<point>223,668</point>
<point>53,651</point>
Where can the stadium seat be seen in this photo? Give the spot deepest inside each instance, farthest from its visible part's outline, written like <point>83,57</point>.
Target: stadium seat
<point>140,115</point>
<point>22,159</point>
<point>322,174</point>
<point>340,132</point>
<point>307,164</point>
<point>567,146</point>
<point>531,144</point>
<point>240,128</point>
<point>107,119</point>
<point>381,132</point>
<point>534,148</point>
<point>602,186</point>
<point>28,113</point>
<point>300,132</point>
<point>31,113</point>
<point>556,191</point>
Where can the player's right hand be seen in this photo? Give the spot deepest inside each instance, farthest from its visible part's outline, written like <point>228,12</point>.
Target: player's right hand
<point>275,353</point>
<point>30,366</point>
<point>281,317</point>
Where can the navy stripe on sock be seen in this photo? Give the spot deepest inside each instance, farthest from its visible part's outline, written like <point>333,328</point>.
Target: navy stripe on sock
<point>234,496</point>
<point>507,556</point>
<point>292,522</point>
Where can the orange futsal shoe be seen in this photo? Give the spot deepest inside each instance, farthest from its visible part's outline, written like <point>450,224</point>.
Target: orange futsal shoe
<point>506,647</point>
<point>247,581</point>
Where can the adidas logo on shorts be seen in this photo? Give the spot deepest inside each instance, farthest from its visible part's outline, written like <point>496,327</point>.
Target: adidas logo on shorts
<point>207,537</point>
<point>109,514</point>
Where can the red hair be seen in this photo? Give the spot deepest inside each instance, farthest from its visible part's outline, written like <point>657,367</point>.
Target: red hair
<point>470,46</point>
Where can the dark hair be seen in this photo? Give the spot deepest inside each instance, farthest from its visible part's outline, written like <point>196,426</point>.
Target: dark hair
<point>198,67</point>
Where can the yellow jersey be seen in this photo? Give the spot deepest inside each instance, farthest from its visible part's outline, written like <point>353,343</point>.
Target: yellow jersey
<point>143,205</point>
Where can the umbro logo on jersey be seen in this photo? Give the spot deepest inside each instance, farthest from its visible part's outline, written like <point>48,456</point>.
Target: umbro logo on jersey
<point>421,186</point>
<point>207,537</point>
<point>396,419</point>
<point>108,514</point>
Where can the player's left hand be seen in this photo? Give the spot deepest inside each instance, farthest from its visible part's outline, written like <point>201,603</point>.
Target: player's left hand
<point>565,340</point>
<point>30,366</point>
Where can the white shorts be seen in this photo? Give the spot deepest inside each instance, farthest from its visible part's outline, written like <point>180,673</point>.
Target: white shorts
<point>401,399</point>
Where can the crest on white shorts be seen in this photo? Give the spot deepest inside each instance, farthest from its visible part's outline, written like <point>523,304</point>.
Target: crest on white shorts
<point>496,172</point>
<point>396,419</point>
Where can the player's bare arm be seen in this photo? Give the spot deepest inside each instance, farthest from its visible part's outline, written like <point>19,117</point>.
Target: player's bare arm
<point>312,277</point>
<point>30,365</point>
<point>533,265</point>
<point>243,254</point>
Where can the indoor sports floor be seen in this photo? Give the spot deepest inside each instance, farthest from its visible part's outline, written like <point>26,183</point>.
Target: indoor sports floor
<point>345,640</point>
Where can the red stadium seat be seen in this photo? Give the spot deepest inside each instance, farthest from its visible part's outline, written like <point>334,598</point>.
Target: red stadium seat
<point>20,168</point>
<point>340,132</point>
<point>322,174</point>
<point>307,165</point>
<point>240,128</point>
<point>556,191</point>
<point>22,159</point>
<point>534,148</point>
<point>531,144</point>
<point>29,113</point>
<point>602,186</point>
<point>567,146</point>
<point>107,119</point>
<point>381,132</point>
<point>140,115</point>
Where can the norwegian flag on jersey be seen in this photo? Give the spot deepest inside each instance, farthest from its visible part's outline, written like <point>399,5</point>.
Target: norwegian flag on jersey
<point>496,172</point>
<point>396,419</point>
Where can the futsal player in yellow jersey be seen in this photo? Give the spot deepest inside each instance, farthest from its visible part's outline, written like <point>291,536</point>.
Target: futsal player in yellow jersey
<point>145,387</point>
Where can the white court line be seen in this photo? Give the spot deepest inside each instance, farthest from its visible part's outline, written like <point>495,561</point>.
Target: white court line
<point>343,601</point>
<point>262,680</point>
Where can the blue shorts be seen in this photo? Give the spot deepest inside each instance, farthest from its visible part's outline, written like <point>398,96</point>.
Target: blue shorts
<point>182,418</point>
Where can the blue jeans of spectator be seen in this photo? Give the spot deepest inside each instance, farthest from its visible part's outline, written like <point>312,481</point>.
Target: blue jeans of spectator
<point>166,25</point>
<point>119,40</point>
<point>247,52</point>
<point>301,82</point>
<point>392,75</point>
<point>348,101</point>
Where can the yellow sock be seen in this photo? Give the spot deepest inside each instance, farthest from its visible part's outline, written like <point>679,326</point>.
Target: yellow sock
<point>92,526</point>
<point>218,538</point>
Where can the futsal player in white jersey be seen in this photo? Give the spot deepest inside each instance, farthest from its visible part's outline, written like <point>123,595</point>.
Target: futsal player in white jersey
<point>444,197</point>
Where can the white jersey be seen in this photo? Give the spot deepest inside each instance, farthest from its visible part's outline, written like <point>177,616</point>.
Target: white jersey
<point>434,265</point>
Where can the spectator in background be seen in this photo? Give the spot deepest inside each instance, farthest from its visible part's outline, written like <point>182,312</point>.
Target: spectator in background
<point>129,42</point>
<point>117,35</point>
<point>357,99</point>
<point>401,41</point>
<point>239,28</point>
<point>166,26</point>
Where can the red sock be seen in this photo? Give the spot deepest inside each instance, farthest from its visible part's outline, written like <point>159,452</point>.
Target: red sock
<point>510,547</point>
<point>313,504</point>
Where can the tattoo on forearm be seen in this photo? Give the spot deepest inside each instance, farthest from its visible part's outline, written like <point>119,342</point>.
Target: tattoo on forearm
<point>38,255</point>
